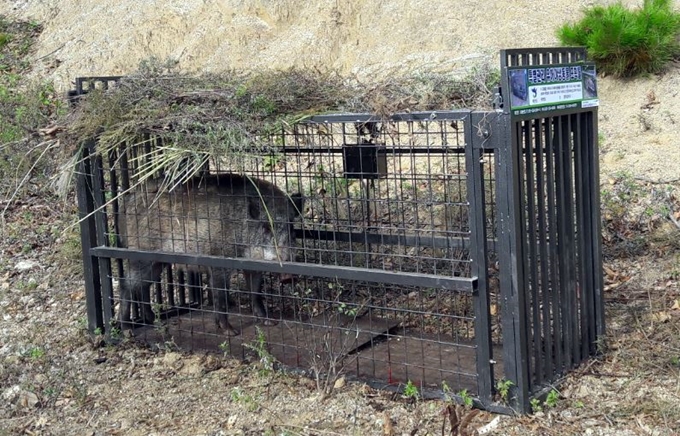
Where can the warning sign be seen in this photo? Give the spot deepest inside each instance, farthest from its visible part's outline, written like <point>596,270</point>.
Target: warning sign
<point>554,87</point>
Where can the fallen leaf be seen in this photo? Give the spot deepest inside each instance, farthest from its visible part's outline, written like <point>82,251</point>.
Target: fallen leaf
<point>676,305</point>
<point>609,271</point>
<point>661,316</point>
<point>339,383</point>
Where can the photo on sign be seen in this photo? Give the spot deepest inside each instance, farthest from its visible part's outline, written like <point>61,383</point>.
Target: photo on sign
<point>518,87</point>
<point>589,82</point>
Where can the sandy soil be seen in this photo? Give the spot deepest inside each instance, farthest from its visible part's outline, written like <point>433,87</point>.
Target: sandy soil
<point>365,38</point>
<point>92,390</point>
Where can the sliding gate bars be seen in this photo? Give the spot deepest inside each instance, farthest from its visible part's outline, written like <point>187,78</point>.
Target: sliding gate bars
<point>549,216</point>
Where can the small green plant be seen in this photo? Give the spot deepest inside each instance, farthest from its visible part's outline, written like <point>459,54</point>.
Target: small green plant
<point>271,162</point>
<point>4,39</point>
<point>626,42</point>
<point>411,391</point>
<point>259,346</point>
<point>36,353</point>
<point>579,404</point>
<point>224,348</point>
<point>98,331</point>
<point>447,392</point>
<point>160,326</point>
<point>115,333</point>
<point>237,395</point>
<point>552,398</point>
<point>347,310</point>
<point>263,104</point>
<point>27,285</point>
<point>503,387</point>
<point>465,396</point>
<point>550,401</point>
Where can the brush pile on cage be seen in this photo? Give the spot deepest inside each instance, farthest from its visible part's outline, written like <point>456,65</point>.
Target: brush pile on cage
<point>198,117</point>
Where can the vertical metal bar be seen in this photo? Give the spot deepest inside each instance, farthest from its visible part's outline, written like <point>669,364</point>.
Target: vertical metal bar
<point>101,225</point>
<point>583,283</point>
<point>593,171</point>
<point>540,127</point>
<point>181,288</point>
<point>596,224</point>
<point>170,286</point>
<point>510,248</point>
<point>522,253</point>
<point>587,278</point>
<point>159,292</point>
<point>88,235</point>
<point>510,254</point>
<point>195,290</point>
<point>571,259</point>
<point>561,239</point>
<point>550,140</point>
<point>479,255</point>
<point>115,191</point>
<point>534,306</point>
<point>564,234</point>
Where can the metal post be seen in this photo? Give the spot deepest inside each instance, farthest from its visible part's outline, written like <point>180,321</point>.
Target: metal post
<point>474,149</point>
<point>88,240</point>
<point>512,275</point>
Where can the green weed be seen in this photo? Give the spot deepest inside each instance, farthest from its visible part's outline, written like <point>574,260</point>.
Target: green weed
<point>259,346</point>
<point>552,398</point>
<point>411,391</point>
<point>237,395</point>
<point>536,405</point>
<point>465,396</point>
<point>224,348</point>
<point>36,353</point>
<point>503,387</point>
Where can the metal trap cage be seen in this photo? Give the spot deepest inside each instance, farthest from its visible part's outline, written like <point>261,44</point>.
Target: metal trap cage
<point>450,250</point>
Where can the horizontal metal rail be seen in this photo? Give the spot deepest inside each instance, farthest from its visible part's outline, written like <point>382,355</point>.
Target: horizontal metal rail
<point>458,115</point>
<point>460,284</point>
<point>381,149</point>
<point>462,242</point>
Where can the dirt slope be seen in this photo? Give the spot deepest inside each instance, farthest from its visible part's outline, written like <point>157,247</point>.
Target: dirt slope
<point>367,37</point>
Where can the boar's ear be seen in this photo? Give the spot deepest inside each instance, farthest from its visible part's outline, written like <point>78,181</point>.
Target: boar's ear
<point>298,203</point>
<point>254,207</point>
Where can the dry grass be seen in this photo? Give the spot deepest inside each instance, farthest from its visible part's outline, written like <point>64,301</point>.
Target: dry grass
<point>197,118</point>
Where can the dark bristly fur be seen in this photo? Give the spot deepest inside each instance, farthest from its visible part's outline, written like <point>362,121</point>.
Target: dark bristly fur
<point>220,215</point>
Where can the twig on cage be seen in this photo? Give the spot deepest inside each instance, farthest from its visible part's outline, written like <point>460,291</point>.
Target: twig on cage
<point>328,351</point>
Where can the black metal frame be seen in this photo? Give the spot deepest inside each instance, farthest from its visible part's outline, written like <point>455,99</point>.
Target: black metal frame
<point>543,227</point>
<point>549,212</point>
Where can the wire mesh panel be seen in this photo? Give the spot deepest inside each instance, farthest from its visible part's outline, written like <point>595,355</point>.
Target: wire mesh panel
<point>450,250</point>
<point>346,247</point>
<point>393,197</point>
